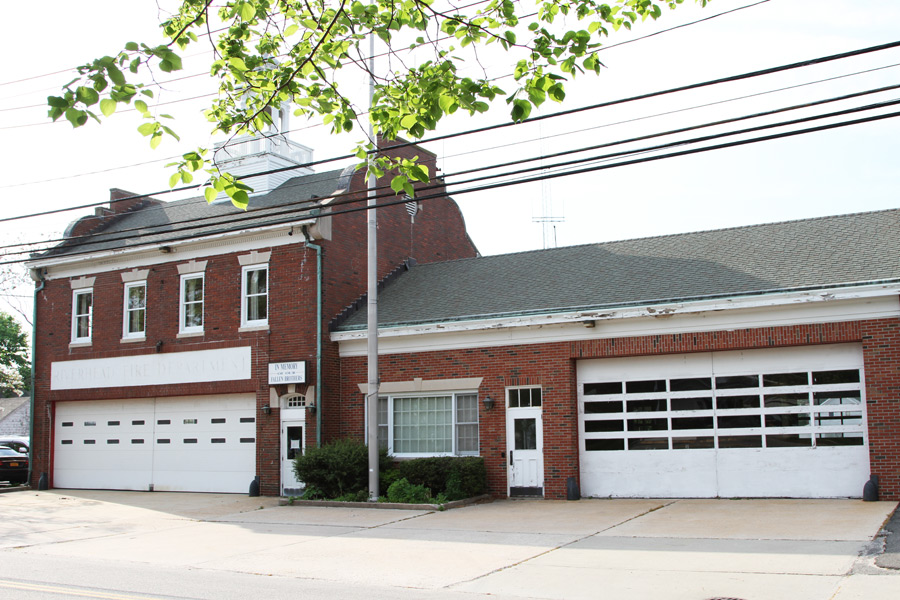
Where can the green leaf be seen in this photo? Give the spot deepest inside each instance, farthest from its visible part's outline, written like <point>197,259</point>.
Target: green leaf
<point>57,102</point>
<point>108,107</point>
<point>141,106</point>
<point>131,47</point>
<point>240,199</point>
<point>398,183</point>
<point>408,121</point>
<point>87,95</point>
<point>248,11</point>
<point>510,37</point>
<point>174,178</point>
<point>521,109</point>
<point>147,129</point>
<point>210,194</point>
<point>155,140</point>
<point>115,75</point>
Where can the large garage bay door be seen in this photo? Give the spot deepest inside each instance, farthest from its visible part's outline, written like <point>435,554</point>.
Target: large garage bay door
<point>764,423</point>
<point>197,444</point>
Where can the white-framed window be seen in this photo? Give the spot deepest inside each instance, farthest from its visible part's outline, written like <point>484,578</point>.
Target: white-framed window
<point>135,310</point>
<point>82,314</point>
<point>255,295</point>
<point>444,424</point>
<point>191,313</point>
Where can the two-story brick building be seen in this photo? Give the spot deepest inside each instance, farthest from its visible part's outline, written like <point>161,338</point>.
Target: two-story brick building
<point>183,346</point>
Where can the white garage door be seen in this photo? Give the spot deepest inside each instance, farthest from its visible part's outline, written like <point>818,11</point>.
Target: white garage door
<point>761,423</point>
<point>196,444</point>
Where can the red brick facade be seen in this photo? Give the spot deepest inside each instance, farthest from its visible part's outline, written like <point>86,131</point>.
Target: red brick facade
<point>437,234</point>
<point>553,367</point>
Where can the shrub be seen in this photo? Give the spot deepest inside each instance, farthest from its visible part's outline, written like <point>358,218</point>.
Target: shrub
<point>406,493</point>
<point>338,469</point>
<point>455,477</point>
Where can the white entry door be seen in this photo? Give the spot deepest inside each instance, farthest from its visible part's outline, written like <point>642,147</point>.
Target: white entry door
<point>292,443</point>
<point>525,442</point>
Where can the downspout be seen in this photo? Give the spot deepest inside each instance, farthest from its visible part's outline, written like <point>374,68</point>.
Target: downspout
<point>318,250</point>
<point>38,278</point>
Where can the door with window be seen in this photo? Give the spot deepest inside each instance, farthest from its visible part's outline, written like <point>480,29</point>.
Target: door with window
<point>291,447</point>
<point>525,442</point>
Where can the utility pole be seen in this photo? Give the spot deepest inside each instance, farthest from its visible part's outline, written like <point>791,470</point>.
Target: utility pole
<point>372,331</point>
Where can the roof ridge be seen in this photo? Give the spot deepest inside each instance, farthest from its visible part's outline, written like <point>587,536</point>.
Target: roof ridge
<point>672,235</point>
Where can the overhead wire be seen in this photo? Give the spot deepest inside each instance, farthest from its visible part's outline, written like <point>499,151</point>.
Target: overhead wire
<point>446,186</point>
<point>542,177</point>
<point>648,95</point>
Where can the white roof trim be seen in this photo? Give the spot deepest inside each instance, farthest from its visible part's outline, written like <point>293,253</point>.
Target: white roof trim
<point>117,252</point>
<point>425,385</point>
<point>660,311</point>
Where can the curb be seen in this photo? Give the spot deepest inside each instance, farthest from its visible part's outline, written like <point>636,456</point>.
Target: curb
<point>15,488</point>
<point>392,505</point>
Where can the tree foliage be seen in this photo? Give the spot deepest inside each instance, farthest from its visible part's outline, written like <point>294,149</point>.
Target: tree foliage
<point>270,52</point>
<point>15,368</point>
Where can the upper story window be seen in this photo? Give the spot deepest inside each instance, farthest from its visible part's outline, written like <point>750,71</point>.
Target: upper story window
<point>191,295</point>
<point>255,295</point>
<point>82,314</point>
<point>135,310</point>
<point>255,289</point>
<point>191,320</point>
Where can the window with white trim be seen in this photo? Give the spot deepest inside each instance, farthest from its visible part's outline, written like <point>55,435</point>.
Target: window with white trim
<point>255,295</point>
<point>135,310</point>
<point>429,425</point>
<point>191,314</point>
<point>82,314</point>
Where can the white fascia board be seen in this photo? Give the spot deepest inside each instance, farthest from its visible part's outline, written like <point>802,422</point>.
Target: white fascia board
<point>790,308</point>
<point>181,250</point>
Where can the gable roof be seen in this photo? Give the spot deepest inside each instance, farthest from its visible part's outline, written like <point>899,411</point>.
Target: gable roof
<point>824,252</point>
<point>159,222</point>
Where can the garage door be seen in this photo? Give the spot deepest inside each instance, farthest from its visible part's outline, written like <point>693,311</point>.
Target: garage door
<point>762,423</point>
<point>198,444</point>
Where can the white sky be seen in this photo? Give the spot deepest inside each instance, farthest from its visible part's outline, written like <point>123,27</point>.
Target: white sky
<point>847,170</point>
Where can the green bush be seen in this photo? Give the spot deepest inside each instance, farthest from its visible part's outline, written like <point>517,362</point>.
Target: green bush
<point>455,477</point>
<point>336,470</point>
<point>406,493</point>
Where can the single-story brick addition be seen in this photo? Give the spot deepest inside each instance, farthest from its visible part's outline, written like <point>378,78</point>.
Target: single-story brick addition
<point>754,361</point>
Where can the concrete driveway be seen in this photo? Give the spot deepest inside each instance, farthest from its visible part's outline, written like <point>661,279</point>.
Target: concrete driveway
<point>669,549</point>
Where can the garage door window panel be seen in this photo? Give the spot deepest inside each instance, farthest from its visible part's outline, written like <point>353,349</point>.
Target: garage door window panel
<point>802,409</point>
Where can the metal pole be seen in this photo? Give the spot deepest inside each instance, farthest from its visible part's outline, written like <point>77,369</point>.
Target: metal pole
<point>372,331</point>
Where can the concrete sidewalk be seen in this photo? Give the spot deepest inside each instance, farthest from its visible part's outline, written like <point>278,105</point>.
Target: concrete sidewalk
<point>670,549</point>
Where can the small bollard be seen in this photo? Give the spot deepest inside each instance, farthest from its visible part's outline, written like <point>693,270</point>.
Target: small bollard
<point>870,490</point>
<point>43,483</point>
<point>572,491</point>
<point>254,487</point>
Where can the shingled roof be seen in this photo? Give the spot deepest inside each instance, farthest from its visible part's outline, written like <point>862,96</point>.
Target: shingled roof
<point>814,253</point>
<point>161,222</point>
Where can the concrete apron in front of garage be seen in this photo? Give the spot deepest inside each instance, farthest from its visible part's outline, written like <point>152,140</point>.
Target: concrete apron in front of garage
<point>639,548</point>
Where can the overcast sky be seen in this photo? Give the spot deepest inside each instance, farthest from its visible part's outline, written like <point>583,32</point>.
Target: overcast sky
<point>840,171</point>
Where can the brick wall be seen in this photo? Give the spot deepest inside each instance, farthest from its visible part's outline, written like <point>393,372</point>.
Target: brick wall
<point>552,366</point>
<point>438,234</point>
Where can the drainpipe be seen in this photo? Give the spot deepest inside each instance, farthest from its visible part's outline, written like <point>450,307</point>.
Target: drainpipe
<point>318,250</point>
<point>38,278</point>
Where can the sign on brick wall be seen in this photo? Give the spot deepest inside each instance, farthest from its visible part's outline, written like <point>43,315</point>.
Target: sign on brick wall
<point>287,372</point>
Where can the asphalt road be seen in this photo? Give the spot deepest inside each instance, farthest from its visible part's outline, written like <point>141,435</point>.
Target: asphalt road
<point>141,546</point>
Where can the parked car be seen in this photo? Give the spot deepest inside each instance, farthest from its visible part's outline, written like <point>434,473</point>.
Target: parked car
<point>13,465</point>
<point>19,444</point>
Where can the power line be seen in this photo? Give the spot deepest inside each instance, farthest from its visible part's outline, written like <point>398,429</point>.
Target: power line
<point>708,83</point>
<point>443,189</point>
<point>560,174</point>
